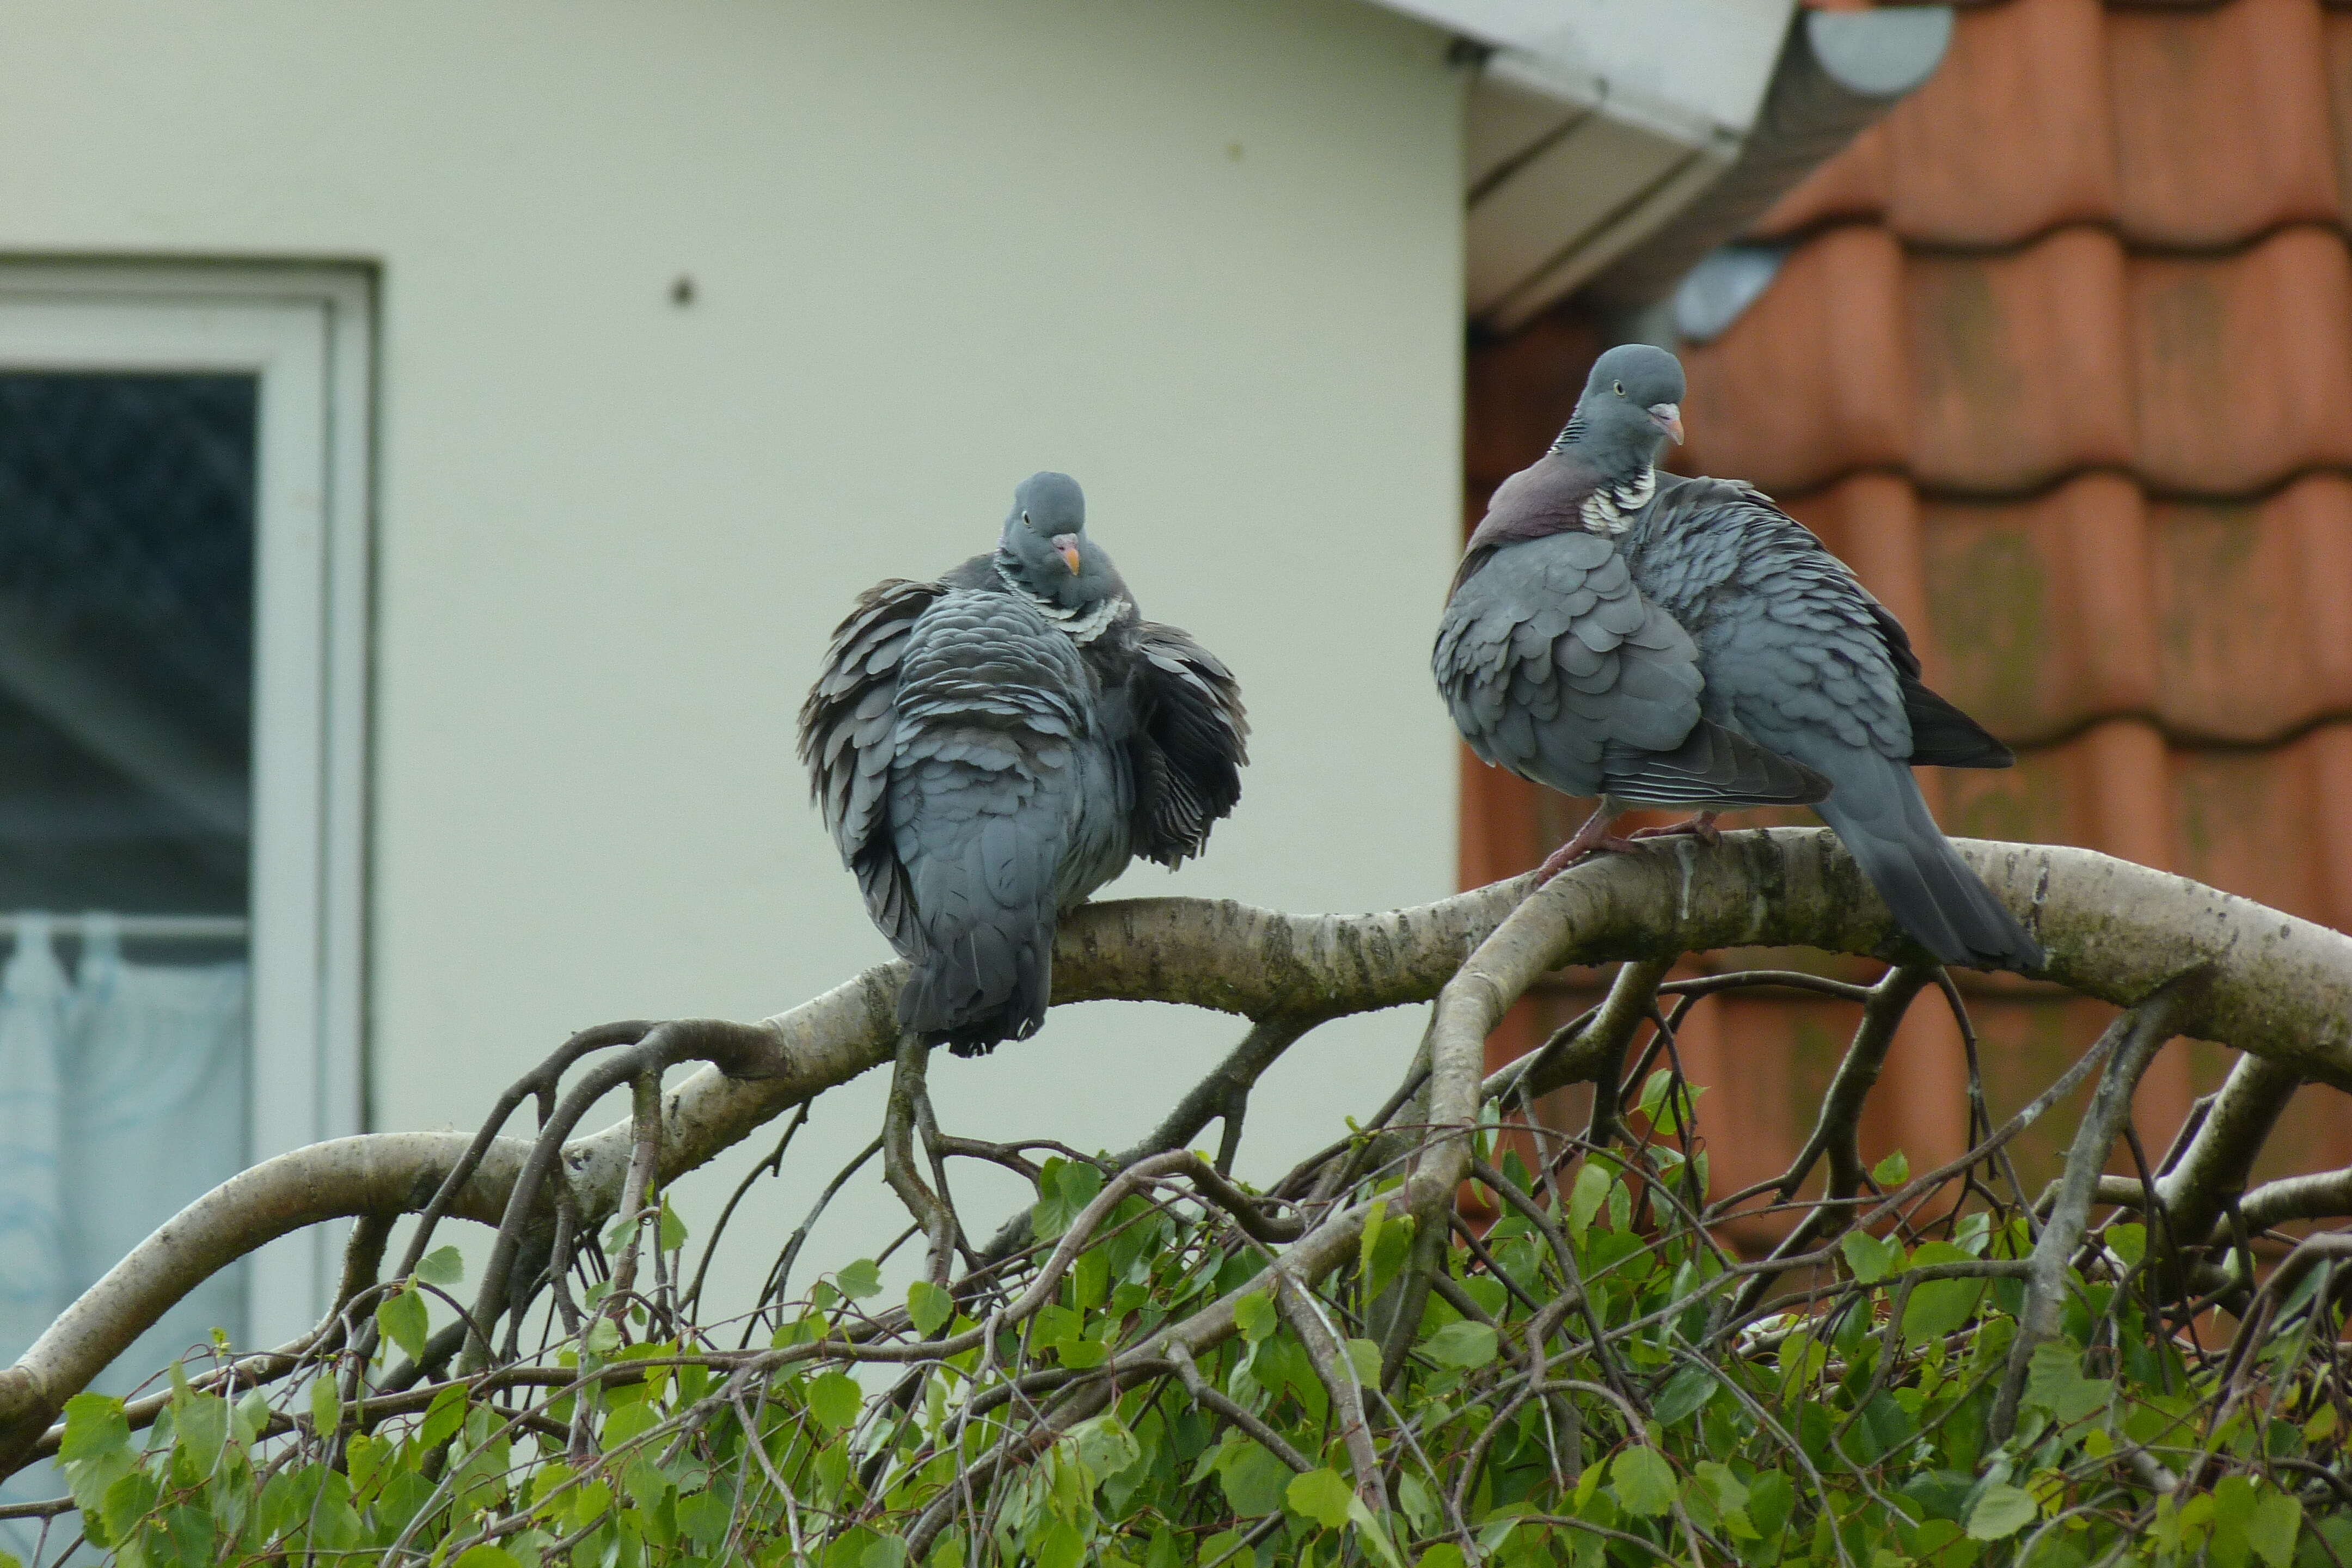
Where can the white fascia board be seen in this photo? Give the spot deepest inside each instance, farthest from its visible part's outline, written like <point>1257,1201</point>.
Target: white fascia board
<point>1685,63</point>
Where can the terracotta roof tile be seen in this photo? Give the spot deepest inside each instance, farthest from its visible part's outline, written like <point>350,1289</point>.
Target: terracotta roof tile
<point>2336,62</point>
<point>2010,136</point>
<point>2220,121</point>
<point>2068,639</point>
<point>2243,820</point>
<point>1808,383</point>
<point>2242,367</point>
<point>2330,758</point>
<point>2018,362</point>
<point>2239,587</point>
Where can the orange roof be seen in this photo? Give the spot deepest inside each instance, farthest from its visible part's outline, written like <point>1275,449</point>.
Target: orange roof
<point>2060,360</point>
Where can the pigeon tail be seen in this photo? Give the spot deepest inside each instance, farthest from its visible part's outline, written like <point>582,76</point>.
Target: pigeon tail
<point>954,1000</point>
<point>1946,908</point>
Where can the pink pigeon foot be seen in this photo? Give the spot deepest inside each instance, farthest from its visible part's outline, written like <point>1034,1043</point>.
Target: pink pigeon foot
<point>1592,839</point>
<point>1701,827</point>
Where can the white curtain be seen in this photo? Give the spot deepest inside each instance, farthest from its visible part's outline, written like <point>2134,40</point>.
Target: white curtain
<point>123,1097</point>
<point>154,1108</point>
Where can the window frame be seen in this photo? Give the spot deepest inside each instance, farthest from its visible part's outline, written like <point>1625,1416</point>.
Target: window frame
<point>307,334</point>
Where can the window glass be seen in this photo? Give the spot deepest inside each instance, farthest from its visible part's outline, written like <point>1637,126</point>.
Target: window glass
<point>126,641</point>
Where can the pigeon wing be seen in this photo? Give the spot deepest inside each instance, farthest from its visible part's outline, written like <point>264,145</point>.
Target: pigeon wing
<point>1192,749</point>
<point>1555,666</point>
<point>848,734</point>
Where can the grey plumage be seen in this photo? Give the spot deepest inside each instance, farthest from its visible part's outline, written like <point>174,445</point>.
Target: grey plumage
<point>1749,666</point>
<point>990,747</point>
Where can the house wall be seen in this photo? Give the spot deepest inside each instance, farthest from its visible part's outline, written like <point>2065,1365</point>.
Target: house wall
<point>1205,256</point>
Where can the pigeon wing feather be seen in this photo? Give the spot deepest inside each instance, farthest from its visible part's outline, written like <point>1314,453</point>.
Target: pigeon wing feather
<point>1192,749</point>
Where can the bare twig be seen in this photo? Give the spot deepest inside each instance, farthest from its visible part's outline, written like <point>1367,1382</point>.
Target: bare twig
<point>2133,1041</point>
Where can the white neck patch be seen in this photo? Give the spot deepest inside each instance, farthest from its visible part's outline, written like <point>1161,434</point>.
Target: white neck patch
<point>1079,626</point>
<point>1611,508</point>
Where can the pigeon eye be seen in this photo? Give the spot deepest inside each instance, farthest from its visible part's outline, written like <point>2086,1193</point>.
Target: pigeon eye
<point>1618,387</point>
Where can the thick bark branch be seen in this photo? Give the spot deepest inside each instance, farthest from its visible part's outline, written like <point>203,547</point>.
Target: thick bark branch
<point>2280,988</point>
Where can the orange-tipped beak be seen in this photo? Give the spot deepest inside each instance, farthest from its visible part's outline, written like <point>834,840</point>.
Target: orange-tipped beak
<point>1066,547</point>
<point>1668,417</point>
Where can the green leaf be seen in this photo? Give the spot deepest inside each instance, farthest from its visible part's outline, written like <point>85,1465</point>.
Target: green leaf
<point>2272,1531</point>
<point>1892,1171</point>
<point>95,1427</point>
<point>2129,1242</point>
<point>487,1556</point>
<point>2001,1512</point>
<point>1870,1259</point>
<point>443,1266</point>
<point>631,1420</point>
<point>1090,1279</point>
<point>1364,1358</point>
<point>2056,1383</point>
<point>1642,1481</point>
<point>128,1502</point>
<point>1322,1496</point>
<point>1730,1492</point>
<point>1369,1527</point>
<point>603,1336</point>
<point>1420,1507</point>
<point>1082,1354</point>
<point>1593,1183</point>
<point>326,1408</point>
<point>200,1427</point>
<point>860,1280</point>
<point>1686,1392</point>
<point>1387,1255</point>
<point>930,1305</point>
<point>400,1318</point>
<point>443,1418</point>
<point>1939,1307</point>
<point>1654,1092</point>
<point>1105,1446</point>
<point>1463,1344</point>
<point>1254,1315</point>
<point>673,1229</point>
<point>836,1399</point>
<point>1080,1180</point>
<point>1444,1555</point>
<point>1253,1479</point>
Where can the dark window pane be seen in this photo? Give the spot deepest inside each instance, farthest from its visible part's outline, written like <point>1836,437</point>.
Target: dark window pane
<point>126,640</point>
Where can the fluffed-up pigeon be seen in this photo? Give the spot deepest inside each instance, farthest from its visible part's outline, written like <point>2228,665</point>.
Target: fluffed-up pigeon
<point>990,747</point>
<point>1655,640</point>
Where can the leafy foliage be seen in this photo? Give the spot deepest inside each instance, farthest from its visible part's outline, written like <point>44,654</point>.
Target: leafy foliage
<point>1577,1388</point>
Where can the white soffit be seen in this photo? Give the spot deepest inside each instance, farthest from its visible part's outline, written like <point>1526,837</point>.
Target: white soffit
<point>1592,123</point>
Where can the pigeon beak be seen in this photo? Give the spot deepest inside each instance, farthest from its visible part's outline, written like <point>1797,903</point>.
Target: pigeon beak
<point>1066,546</point>
<point>1668,417</point>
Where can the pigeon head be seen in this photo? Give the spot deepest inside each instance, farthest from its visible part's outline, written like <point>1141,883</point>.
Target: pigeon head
<point>1632,404</point>
<point>1044,549</point>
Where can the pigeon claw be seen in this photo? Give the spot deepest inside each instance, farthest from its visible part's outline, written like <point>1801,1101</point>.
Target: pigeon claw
<point>1592,839</point>
<point>1701,827</point>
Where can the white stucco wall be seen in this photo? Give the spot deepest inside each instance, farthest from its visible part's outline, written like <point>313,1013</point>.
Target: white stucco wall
<point>1203,254</point>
